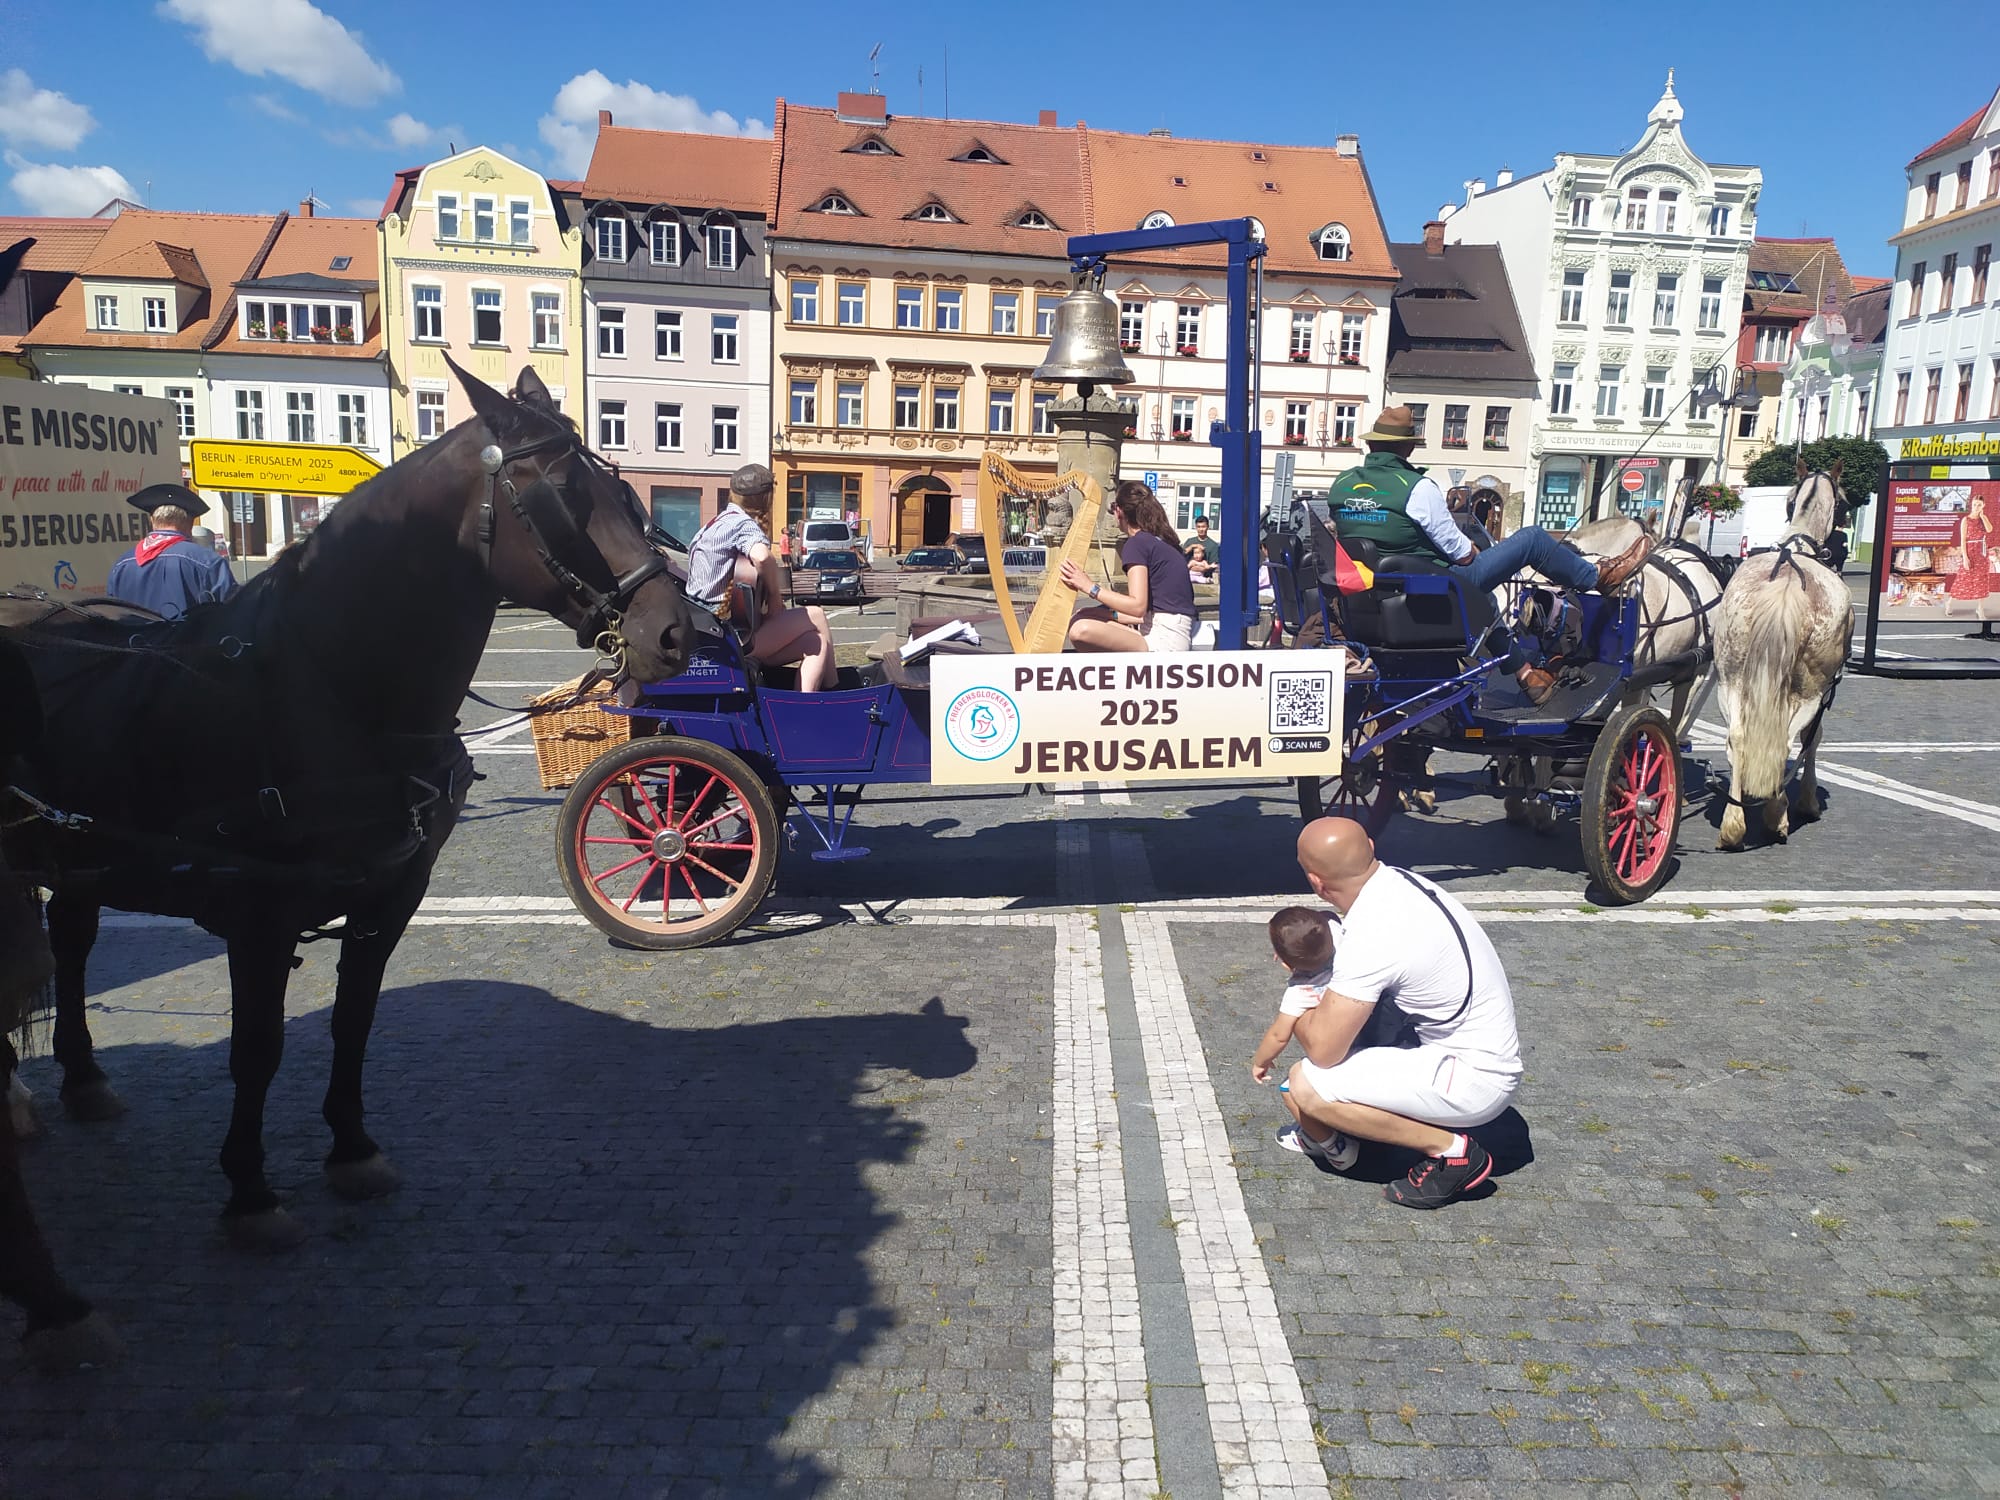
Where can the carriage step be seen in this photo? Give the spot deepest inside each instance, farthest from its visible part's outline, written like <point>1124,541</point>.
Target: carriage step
<point>1580,691</point>
<point>841,855</point>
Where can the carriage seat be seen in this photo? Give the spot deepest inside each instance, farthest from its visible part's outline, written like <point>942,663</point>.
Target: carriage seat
<point>1418,603</point>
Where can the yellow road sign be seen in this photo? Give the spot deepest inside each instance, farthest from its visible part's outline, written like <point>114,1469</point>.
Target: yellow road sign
<point>279,468</point>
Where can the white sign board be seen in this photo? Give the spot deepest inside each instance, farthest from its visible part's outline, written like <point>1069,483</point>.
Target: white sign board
<point>1181,716</point>
<point>70,458</point>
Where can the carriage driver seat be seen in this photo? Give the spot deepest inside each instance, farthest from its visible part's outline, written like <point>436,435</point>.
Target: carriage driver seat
<point>1418,602</point>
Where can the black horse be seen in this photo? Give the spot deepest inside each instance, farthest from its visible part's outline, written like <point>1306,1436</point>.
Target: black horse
<point>269,765</point>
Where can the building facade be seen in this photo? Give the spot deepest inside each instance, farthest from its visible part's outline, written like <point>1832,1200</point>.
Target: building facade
<point>677,309</point>
<point>1787,282</point>
<point>481,259</point>
<point>1629,274</point>
<point>1829,388</point>
<point>62,248</point>
<point>1940,381</point>
<point>1458,358</point>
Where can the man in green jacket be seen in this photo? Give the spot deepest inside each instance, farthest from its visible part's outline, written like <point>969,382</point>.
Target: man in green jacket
<point>1387,500</point>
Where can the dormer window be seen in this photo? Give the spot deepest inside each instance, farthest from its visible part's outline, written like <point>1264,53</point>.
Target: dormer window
<point>873,145</point>
<point>340,263</point>
<point>1033,218</point>
<point>1332,242</point>
<point>1180,182</point>
<point>935,213</point>
<point>664,238</point>
<point>107,311</point>
<point>833,203</point>
<point>1159,218</point>
<point>720,246</point>
<point>611,237</point>
<point>979,153</point>
<point>1258,156</point>
<point>1270,187</point>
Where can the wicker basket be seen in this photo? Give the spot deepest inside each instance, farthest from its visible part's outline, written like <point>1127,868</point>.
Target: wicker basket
<point>568,741</point>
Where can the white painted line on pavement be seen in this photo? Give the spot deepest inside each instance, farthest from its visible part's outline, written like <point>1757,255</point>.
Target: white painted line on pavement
<point>1114,794</point>
<point>1646,916</point>
<point>482,739</point>
<point>1256,1405</point>
<point>1979,814</point>
<point>1678,897</point>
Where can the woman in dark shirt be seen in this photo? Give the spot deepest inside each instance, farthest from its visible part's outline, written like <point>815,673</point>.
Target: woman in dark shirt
<point>1155,609</point>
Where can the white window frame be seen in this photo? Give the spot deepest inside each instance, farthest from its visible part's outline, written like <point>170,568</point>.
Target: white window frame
<point>1042,413</point>
<point>610,237</point>
<point>1579,212</point>
<point>805,299</point>
<point>721,246</point>
<point>1718,220</point>
<point>1046,304</point>
<point>431,423</point>
<point>668,325</point>
<point>1669,203</point>
<point>610,333</point>
<point>1000,409</point>
<point>1608,390</point>
<point>947,407</point>
<point>183,398</point>
<point>1562,391</point>
<point>446,206</point>
<point>1006,314</point>
<point>150,307</point>
<point>1575,288</point>
<point>1305,324</point>
<point>1637,201</point>
<point>725,342</point>
<point>663,241</point>
<point>948,309</point>
<point>1708,317</point>
<point>497,307</point>
<point>859,302</point>
<point>1180,416</point>
<point>1456,430</point>
<point>1353,337</point>
<point>1187,327</point>
<point>1666,299</point>
<point>669,426</point>
<point>249,416</point>
<point>1653,398</point>
<point>485,216</point>
<point>726,431</point>
<point>844,392</point>
<point>103,303</point>
<point>803,404</point>
<point>301,417</point>
<point>1334,243</point>
<point>613,432</point>
<point>1618,301</point>
<point>520,221</point>
<point>425,297</point>
<point>909,308</point>
<point>1297,415</point>
<point>1346,422</point>
<point>351,418</point>
<point>907,400</point>
<point>1772,344</point>
<point>544,319</point>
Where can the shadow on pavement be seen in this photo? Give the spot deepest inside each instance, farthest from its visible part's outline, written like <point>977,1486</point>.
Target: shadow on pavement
<point>612,1256</point>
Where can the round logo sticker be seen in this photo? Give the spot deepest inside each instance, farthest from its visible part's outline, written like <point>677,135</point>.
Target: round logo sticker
<point>982,723</point>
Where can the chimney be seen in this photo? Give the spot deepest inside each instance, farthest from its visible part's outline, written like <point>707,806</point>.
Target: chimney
<point>603,118</point>
<point>1048,117</point>
<point>864,109</point>
<point>306,207</point>
<point>1347,145</point>
<point>1474,188</point>
<point>1434,237</point>
<point>1504,176</point>
<point>1446,210</point>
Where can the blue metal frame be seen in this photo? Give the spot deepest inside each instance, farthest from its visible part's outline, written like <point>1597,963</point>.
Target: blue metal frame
<point>1236,434</point>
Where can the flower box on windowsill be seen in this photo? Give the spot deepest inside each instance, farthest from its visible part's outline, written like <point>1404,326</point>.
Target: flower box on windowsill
<point>1131,432</point>
<point>344,334</point>
<point>1350,359</point>
<point>1453,443</point>
<point>1183,437</point>
<point>257,331</point>
<point>1129,346</point>
<point>1295,440</point>
<point>322,332</point>
<point>1301,356</point>
<point>1495,445</point>
<point>1186,349</point>
<point>280,333</point>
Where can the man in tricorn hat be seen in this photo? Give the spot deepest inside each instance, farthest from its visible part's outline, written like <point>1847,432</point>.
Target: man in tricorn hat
<point>167,572</point>
<point>1387,500</point>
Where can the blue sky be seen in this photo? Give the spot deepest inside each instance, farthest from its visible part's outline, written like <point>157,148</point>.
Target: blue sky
<point>247,105</point>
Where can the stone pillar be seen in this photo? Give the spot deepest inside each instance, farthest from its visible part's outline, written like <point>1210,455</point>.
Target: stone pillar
<point>1090,434</point>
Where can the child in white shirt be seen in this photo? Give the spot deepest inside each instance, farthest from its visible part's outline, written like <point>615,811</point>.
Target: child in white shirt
<point>1302,942</point>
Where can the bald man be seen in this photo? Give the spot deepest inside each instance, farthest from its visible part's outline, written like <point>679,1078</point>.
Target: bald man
<point>1402,939</point>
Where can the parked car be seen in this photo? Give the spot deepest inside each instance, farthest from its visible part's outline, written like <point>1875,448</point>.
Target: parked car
<point>835,534</point>
<point>839,573</point>
<point>933,560</point>
<point>973,545</point>
<point>1025,559</point>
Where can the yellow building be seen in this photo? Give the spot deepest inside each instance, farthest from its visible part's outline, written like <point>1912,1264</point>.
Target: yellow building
<point>482,259</point>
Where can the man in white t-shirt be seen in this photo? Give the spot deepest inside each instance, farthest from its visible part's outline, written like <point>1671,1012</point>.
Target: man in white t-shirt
<point>1402,939</point>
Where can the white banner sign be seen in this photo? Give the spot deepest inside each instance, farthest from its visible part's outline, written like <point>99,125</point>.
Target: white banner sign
<point>70,458</point>
<point>1199,715</point>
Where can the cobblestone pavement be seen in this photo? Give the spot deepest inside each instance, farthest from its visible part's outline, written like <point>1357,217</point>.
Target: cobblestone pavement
<point>948,1178</point>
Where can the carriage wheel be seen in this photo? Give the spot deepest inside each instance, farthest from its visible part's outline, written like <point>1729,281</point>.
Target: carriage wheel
<point>1362,791</point>
<point>1632,804</point>
<point>668,843</point>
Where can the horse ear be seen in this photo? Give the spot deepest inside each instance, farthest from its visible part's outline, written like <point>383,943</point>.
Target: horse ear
<point>934,1006</point>
<point>528,386</point>
<point>495,410</point>
<point>1835,470</point>
<point>1803,470</point>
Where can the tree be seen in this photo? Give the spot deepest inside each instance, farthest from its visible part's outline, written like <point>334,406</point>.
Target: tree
<point>1864,465</point>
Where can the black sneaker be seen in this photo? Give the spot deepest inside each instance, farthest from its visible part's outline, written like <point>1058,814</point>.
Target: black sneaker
<point>1437,1180</point>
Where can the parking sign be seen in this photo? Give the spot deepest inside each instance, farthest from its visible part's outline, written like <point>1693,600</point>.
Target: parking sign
<point>1153,480</point>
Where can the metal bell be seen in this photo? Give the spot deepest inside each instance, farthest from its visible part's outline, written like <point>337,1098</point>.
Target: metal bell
<point>1084,347</point>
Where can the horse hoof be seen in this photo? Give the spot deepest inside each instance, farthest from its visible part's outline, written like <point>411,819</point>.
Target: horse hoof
<point>371,1177</point>
<point>270,1232</point>
<point>88,1343</point>
<point>93,1103</point>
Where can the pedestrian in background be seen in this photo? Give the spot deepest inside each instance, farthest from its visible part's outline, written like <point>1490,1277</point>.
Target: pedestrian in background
<point>168,572</point>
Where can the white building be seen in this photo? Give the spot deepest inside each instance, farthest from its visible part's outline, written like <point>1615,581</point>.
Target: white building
<point>1629,272</point>
<point>1940,381</point>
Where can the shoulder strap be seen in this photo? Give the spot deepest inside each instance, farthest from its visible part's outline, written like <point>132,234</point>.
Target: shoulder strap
<point>1464,948</point>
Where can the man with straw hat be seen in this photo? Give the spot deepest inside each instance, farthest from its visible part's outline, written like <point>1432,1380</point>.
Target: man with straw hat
<point>1388,500</point>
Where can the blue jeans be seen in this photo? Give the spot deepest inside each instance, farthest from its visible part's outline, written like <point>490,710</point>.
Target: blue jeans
<point>1531,547</point>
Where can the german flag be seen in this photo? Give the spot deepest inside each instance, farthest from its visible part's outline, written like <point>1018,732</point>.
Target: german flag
<point>1349,576</point>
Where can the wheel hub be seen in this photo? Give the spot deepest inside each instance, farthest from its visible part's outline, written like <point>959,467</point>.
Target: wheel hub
<point>1648,806</point>
<point>669,845</point>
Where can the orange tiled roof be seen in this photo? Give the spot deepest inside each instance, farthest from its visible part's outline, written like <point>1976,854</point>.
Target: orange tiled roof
<point>1959,135</point>
<point>222,247</point>
<point>679,167</point>
<point>1039,167</point>
<point>308,247</point>
<point>1132,175</point>
<point>1814,264</point>
<point>152,261</point>
<point>60,244</point>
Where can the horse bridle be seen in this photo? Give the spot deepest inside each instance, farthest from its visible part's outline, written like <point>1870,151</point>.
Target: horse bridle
<point>552,530</point>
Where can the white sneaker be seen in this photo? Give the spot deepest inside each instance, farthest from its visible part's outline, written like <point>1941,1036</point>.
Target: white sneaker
<point>1338,1151</point>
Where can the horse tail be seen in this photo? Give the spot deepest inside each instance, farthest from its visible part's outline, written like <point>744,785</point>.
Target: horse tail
<point>1761,727</point>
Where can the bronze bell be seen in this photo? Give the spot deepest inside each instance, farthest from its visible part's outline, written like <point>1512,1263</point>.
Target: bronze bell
<point>1084,348</point>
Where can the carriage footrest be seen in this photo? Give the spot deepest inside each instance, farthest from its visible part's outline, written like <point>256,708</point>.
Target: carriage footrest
<point>1581,692</point>
<point>839,856</point>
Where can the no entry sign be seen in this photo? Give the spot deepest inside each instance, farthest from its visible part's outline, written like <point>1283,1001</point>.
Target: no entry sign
<point>1632,481</point>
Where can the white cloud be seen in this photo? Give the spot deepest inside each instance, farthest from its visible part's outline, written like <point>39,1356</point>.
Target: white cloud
<point>276,108</point>
<point>406,130</point>
<point>40,117</point>
<point>293,39</point>
<point>66,192</point>
<point>570,127</point>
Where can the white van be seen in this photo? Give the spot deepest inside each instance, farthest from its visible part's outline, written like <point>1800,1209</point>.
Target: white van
<point>834,536</point>
<point>1760,523</point>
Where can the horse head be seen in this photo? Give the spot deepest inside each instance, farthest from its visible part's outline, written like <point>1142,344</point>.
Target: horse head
<point>561,532</point>
<point>1814,500</point>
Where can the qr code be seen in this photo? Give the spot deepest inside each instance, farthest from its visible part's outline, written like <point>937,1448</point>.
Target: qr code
<point>1301,703</point>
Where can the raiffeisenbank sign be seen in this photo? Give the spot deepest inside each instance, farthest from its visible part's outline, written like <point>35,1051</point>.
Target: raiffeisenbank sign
<point>1952,445</point>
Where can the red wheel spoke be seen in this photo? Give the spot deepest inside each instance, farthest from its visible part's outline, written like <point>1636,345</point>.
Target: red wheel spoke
<point>627,906</point>
<point>727,810</point>
<point>707,846</point>
<point>698,798</point>
<point>645,843</point>
<point>692,891</point>
<point>647,797</point>
<point>734,885</point>
<point>620,813</point>
<point>598,880</point>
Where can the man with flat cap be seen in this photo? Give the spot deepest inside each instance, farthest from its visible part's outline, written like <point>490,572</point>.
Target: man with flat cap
<point>167,572</point>
<point>732,556</point>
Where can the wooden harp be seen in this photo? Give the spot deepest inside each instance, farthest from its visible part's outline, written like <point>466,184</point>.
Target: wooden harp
<point>1048,622</point>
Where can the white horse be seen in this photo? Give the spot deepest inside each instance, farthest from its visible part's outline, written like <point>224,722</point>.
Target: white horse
<point>1782,636</point>
<point>1679,591</point>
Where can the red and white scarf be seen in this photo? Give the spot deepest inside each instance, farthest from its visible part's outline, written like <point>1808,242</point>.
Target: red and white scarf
<point>155,543</point>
